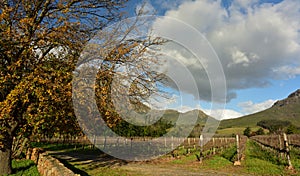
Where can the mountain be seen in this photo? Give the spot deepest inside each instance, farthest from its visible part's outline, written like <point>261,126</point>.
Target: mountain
<point>287,109</point>
<point>172,115</point>
<point>187,118</point>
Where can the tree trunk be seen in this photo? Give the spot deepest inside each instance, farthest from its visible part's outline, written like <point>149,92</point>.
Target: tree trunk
<point>5,156</point>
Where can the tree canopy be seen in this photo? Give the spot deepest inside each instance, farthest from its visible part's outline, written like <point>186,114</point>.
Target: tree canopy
<point>40,45</point>
<point>274,126</point>
<point>40,42</point>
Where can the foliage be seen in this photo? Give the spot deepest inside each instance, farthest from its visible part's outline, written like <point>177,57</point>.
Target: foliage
<point>40,42</point>
<point>156,130</point>
<point>260,131</point>
<point>247,132</point>
<point>230,154</point>
<point>274,126</point>
<point>137,57</point>
<point>292,129</point>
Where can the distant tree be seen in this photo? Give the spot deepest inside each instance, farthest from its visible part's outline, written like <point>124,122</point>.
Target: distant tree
<point>260,131</point>
<point>247,132</point>
<point>274,126</point>
<point>129,130</point>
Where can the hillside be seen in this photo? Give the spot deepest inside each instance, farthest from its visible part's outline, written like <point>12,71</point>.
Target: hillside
<point>286,109</point>
<point>172,115</point>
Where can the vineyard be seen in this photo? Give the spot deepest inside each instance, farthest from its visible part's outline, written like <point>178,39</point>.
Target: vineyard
<point>281,147</point>
<point>202,147</point>
<point>262,154</point>
<point>277,141</point>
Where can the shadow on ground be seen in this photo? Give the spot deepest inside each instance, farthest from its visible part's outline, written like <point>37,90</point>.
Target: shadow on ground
<point>87,159</point>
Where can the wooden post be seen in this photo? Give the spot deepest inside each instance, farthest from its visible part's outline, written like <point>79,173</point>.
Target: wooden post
<point>281,155</point>
<point>280,143</point>
<point>214,149</point>
<point>238,162</point>
<point>201,148</point>
<point>94,141</point>
<point>104,144</point>
<point>287,150</point>
<point>165,142</point>
<point>172,145</point>
<point>118,142</point>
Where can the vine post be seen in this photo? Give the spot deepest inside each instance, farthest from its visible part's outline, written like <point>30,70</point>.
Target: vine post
<point>287,150</point>
<point>238,162</point>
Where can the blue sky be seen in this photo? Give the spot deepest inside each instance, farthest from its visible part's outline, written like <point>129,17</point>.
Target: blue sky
<point>258,44</point>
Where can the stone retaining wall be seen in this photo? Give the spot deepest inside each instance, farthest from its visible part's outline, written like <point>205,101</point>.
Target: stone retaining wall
<point>48,165</point>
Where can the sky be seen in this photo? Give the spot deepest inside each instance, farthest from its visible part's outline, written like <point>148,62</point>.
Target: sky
<point>257,44</point>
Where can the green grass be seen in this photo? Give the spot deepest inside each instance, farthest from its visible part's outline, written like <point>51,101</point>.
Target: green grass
<point>24,168</point>
<point>234,130</point>
<point>230,131</point>
<point>185,159</point>
<point>58,147</point>
<point>230,154</point>
<point>261,162</point>
<point>295,157</point>
<point>217,163</point>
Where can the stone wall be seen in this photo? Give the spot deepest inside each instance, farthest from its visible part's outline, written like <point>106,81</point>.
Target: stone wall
<point>48,165</point>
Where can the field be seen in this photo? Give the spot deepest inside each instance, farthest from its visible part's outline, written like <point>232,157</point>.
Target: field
<point>218,158</point>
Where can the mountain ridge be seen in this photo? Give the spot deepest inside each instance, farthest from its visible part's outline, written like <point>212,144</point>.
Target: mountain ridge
<point>287,109</point>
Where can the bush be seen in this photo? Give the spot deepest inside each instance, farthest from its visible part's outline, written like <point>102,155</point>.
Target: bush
<point>247,132</point>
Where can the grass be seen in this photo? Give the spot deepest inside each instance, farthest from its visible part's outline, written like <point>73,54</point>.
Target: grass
<point>230,154</point>
<point>185,159</point>
<point>58,147</point>
<point>24,168</point>
<point>295,156</point>
<point>217,163</point>
<point>230,131</point>
<point>235,130</point>
<point>261,162</point>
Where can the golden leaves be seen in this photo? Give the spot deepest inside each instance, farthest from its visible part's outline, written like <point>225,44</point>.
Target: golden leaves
<point>26,21</point>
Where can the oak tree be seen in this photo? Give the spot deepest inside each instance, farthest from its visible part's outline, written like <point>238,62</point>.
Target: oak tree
<point>35,87</point>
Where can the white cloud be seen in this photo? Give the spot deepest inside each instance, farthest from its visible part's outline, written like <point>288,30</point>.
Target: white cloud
<point>184,109</point>
<point>222,114</point>
<point>287,70</point>
<point>249,107</point>
<point>255,42</point>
